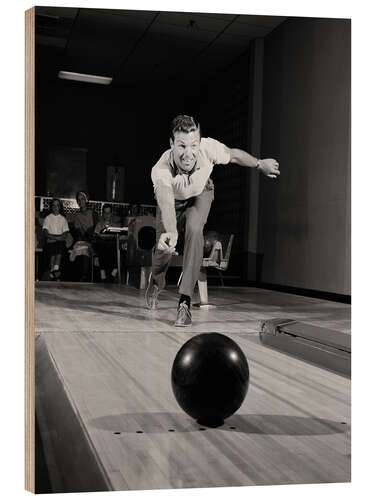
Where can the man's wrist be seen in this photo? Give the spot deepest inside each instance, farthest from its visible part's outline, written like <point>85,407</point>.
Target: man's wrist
<point>257,166</point>
<point>170,227</point>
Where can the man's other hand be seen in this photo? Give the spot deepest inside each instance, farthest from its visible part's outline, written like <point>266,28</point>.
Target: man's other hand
<point>269,167</point>
<point>167,243</point>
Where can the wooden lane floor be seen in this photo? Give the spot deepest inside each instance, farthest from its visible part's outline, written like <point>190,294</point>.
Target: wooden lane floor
<point>113,362</point>
<point>79,307</point>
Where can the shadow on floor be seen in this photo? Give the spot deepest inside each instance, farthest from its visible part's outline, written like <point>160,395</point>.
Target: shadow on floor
<point>163,422</point>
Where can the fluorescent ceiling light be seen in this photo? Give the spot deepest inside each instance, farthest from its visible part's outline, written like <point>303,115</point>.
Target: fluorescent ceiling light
<point>82,77</point>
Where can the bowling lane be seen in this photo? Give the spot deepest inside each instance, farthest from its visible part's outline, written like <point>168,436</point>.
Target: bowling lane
<point>104,308</point>
<point>294,426</point>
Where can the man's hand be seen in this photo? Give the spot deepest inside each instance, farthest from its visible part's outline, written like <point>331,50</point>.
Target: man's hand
<point>167,243</point>
<point>269,167</point>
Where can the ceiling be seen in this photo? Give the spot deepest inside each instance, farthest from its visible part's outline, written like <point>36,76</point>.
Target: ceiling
<point>142,48</point>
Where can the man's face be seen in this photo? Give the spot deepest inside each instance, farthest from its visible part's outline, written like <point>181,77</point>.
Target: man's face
<point>55,207</point>
<point>107,214</point>
<point>81,201</point>
<point>185,149</point>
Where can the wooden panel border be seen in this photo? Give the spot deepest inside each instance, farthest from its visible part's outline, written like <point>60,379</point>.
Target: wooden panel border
<point>29,249</point>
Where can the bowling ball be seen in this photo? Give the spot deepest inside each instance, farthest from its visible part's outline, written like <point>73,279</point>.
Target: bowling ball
<point>210,238</point>
<point>210,378</point>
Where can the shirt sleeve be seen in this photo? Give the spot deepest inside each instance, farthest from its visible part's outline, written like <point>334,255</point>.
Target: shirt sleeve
<point>160,173</point>
<point>219,153</point>
<point>46,223</point>
<point>161,177</point>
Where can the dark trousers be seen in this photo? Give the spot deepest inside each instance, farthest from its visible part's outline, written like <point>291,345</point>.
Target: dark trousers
<point>191,217</point>
<point>55,248</point>
<point>106,250</point>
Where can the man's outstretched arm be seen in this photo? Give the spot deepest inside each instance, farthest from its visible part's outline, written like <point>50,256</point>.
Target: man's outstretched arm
<point>268,167</point>
<point>165,200</point>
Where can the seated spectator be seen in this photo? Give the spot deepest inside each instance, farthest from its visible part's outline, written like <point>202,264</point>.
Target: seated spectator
<point>56,231</point>
<point>83,226</point>
<point>106,245</point>
<point>138,210</point>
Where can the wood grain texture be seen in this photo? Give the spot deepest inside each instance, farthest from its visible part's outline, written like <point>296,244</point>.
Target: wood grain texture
<point>29,248</point>
<point>101,308</point>
<point>114,358</point>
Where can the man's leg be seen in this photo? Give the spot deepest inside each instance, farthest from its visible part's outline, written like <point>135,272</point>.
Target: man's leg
<point>55,258</point>
<point>160,258</point>
<point>109,258</point>
<point>51,264</point>
<point>85,266</point>
<point>196,217</point>
<point>100,252</point>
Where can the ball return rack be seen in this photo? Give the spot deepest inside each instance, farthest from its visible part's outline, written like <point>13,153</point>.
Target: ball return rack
<point>327,348</point>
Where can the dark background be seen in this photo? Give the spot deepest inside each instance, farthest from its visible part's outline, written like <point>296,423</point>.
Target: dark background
<point>276,87</point>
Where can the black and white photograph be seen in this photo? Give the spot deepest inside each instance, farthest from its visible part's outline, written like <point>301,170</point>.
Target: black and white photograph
<point>190,248</point>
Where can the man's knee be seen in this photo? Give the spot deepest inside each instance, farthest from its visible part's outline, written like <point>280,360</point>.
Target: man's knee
<point>194,229</point>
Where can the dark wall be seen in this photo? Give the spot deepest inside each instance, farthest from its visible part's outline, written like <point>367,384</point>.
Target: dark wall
<point>130,127</point>
<point>116,126</point>
<point>304,223</point>
<point>222,106</point>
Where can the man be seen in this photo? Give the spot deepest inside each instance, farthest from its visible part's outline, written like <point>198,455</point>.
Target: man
<point>105,245</point>
<point>56,230</point>
<point>184,193</point>
<point>83,229</point>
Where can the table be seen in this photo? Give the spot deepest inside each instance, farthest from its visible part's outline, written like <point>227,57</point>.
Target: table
<point>117,231</point>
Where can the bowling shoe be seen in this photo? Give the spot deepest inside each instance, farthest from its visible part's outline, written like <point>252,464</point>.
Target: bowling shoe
<point>183,315</point>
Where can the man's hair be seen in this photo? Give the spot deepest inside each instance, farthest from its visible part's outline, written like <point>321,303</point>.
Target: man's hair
<point>184,123</point>
<point>85,194</point>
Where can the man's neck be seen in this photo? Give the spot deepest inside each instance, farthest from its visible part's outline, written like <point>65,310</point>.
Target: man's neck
<point>180,170</point>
